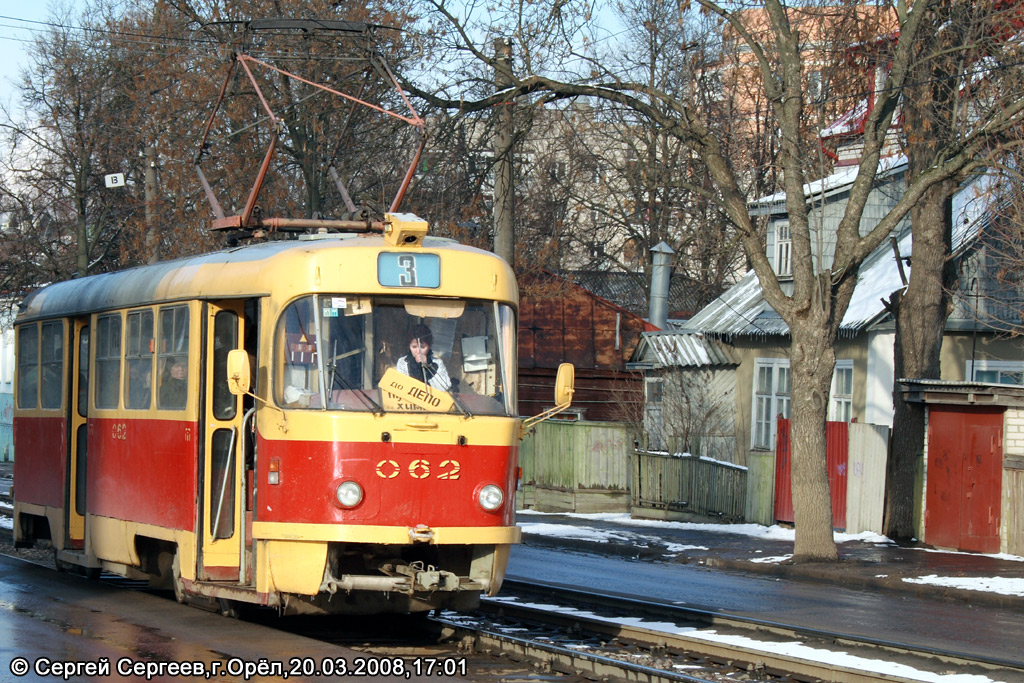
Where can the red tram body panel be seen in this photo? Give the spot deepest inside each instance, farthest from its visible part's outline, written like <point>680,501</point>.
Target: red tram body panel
<point>39,467</point>
<point>320,425</point>
<point>417,484</point>
<point>145,473</point>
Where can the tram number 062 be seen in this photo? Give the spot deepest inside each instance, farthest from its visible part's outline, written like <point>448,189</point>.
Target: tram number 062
<point>419,469</point>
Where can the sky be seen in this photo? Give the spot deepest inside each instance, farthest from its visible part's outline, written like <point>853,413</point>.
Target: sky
<point>19,22</point>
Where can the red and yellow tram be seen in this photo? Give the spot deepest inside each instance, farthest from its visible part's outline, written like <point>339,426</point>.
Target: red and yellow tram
<point>336,483</point>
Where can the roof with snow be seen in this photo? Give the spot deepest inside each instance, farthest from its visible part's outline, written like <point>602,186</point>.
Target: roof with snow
<point>838,182</point>
<point>743,311</point>
<point>674,349</point>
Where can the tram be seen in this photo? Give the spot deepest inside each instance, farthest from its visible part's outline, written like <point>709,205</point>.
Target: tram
<point>239,426</point>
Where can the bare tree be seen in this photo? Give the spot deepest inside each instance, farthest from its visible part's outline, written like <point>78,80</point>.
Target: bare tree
<point>65,222</point>
<point>814,307</point>
<point>963,67</point>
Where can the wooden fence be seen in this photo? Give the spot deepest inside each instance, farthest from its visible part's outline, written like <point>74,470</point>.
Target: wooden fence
<point>576,466</point>
<point>687,487</point>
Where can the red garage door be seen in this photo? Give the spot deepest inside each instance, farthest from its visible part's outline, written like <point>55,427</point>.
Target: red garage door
<point>965,470</point>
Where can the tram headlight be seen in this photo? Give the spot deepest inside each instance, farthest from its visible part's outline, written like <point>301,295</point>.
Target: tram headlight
<point>349,494</point>
<point>490,497</point>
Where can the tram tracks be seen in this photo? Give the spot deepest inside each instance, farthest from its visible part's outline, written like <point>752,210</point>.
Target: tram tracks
<point>711,646</point>
<point>552,632</point>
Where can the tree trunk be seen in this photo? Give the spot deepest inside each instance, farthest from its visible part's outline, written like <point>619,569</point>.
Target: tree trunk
<point>812,362</point>
<point>920,320</point>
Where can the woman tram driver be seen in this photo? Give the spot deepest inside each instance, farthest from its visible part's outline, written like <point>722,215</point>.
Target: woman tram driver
<point>420,363</point>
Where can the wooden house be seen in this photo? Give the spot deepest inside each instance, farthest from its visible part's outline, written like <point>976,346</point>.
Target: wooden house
<point>561,322</point>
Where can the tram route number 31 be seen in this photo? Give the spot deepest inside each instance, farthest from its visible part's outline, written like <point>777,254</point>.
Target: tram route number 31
<point>419,469</point>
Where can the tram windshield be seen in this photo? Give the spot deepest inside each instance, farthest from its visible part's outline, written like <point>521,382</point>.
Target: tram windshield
<point>396,354</point>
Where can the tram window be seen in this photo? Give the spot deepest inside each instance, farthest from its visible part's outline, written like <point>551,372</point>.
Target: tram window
<point>296,337</point>
<point>222,470</point>
<point>139,357</point>
<point>28,367</point>
<point>225,338</point>
<point>108,361</point>
<point>83,372</point>
<point>173,358</point>
<point>338,347</point>
<point>52,365</point>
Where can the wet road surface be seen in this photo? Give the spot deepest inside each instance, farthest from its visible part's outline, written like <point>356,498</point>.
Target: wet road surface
<point>47,617</point>
<point>911,619</point>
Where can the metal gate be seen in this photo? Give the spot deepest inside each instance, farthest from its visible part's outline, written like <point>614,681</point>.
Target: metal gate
<point>964,479</point>
<point>837,439</point>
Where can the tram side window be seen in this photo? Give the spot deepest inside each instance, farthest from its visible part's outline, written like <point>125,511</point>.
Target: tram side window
<point>139,355</point>
<point>108,361</point>
<point>28,367</point>
<point>52,365</point>
<point>172,358</point>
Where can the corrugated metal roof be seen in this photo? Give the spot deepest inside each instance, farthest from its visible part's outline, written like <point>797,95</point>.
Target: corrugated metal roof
<point>742,309</point>
<point>629,290</point>
<point>680,349</point>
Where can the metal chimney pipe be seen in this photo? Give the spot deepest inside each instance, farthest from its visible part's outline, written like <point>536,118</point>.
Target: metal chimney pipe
<point>660,278</point>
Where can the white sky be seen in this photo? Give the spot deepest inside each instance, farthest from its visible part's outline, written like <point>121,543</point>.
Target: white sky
<point>16,32</point>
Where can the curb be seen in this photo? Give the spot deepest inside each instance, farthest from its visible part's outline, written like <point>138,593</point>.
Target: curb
<point>892,582</point>
<point>847,573</point>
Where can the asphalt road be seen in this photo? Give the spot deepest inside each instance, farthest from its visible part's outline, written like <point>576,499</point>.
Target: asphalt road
<point>935,623</point>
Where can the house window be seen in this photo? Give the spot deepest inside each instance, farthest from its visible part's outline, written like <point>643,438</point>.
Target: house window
<point>996,371</point>
<point>841,406</point>
<point>655,390</point>
<point>783,250</point>
<point>771,399</point>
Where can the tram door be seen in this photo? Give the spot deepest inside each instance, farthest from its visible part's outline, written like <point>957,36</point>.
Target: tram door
<point>78,411</point>
<point>223,466</point>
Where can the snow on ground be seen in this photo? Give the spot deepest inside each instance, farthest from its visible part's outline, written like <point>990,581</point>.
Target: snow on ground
<point>1004,585</point>
<point>796,650</point>
<point>993,584</point>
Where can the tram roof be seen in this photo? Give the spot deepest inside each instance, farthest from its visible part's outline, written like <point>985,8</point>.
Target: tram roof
<point>259,270</point>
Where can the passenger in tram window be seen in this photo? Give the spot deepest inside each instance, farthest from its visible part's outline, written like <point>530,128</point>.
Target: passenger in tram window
<point>140,380</point>
<point>173,385</point>
<point>420,363</point>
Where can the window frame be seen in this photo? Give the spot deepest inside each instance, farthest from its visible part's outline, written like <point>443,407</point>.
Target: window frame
<point>999,366</point>
<point>165,357</point>
<point>763,426</point>
<point>783,250</point>
<point>135,354</point>
<point>840,406</point>
<point>102,342</point>
<point>26,363</point>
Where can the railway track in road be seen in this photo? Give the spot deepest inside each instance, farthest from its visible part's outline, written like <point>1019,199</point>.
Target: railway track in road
<point>702,644</point>
<point>540,632</point>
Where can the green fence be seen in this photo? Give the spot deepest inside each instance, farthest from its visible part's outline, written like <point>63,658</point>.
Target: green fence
<point>576,466</point>
<point>687,487</point>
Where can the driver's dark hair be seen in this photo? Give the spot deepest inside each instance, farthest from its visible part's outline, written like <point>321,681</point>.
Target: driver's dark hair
<point>423,333</point>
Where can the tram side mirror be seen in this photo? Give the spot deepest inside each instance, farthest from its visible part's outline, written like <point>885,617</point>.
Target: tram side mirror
<point>239,374</point>
<point>565,384</point>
